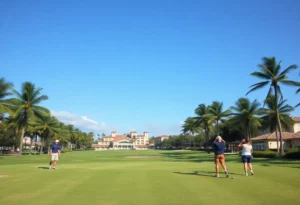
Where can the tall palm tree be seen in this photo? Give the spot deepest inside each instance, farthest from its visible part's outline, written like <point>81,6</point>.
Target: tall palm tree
<point>203,120</point>
<point>270,116</point>
<point>26,106</point>
<point>245,115</point>
<point>5,105</point>
<point>272,75</point>
<point>216,113</point>
<point>189,126</point>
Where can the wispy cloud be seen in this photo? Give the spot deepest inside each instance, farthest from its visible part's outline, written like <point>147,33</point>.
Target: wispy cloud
<point>82,122</point>
<point>89,120</point>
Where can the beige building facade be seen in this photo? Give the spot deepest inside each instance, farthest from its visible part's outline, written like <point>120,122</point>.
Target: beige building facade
<point>132,141</point>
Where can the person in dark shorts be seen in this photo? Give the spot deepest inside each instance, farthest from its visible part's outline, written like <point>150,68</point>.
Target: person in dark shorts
<point>219,147</point>
<point>246,155</point>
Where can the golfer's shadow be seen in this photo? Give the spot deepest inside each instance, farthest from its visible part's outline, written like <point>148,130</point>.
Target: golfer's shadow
<point>202,173</point>
<point>43,167</point>
<point>196,173</point>
<point>220,172</point>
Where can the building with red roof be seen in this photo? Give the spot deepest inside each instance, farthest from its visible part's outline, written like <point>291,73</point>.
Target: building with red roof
<point>132,141</point>
<point>290,139</point>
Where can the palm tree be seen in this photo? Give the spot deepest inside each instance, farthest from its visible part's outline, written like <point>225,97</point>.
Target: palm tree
<point>63,136</point>
<point>216,113</point>
<point>12,126</point>
<point>203,119</point>
<point>270,116</point>
<point>5,105</point>
<point>189,126</point>
<point>272,75</point>
<point>48,127</point>
<point>26,106</point>
<point>245,115</point>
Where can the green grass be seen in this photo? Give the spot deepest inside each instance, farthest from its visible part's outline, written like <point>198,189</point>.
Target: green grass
<point>108,178</point>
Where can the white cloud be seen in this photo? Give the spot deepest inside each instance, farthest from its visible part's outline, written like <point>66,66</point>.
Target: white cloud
<point>89,120</point>
<point>84,122</point>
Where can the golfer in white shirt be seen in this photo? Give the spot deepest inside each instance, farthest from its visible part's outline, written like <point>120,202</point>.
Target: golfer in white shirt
<point>246,155</point>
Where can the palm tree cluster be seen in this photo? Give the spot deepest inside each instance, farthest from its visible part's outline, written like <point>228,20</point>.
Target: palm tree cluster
<point>21,115</point>
<point>246,117</point>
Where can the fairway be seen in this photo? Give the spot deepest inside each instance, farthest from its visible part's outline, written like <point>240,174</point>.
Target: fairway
<point>123,177</point>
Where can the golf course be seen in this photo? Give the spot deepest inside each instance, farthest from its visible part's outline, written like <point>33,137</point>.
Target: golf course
<point>145,177</point>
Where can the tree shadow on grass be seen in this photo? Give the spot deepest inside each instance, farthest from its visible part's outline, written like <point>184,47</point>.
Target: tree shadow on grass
<point>198,157</point>
<point>195,156</point>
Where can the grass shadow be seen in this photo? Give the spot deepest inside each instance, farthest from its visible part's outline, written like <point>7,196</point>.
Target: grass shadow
<point>200,156</point>
<point>203,174</point>
<point>215,172</point>
<point>43,167</point>
<point>195,174</point>
<point>195,156</point>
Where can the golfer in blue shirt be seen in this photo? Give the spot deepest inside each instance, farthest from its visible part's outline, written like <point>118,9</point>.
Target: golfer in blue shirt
<point>219,148</point>
<point>54,153</point>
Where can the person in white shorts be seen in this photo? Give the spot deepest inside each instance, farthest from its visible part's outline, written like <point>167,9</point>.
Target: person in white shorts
<point>246,155</point>
<point>54,153</point>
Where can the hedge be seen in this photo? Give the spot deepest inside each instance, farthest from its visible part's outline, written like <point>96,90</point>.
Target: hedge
<point>264,154</point>
<point>292,153</point>
<point>66,150</point>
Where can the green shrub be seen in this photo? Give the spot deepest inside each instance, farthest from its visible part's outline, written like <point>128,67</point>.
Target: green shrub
<point>264,154</point>
<point>295,149</point>
<point>83,149</point>
<point>293,153</point>
<point>90,149</point>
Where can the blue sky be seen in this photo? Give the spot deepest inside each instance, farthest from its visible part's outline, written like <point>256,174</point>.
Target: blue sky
<point>144,65</point>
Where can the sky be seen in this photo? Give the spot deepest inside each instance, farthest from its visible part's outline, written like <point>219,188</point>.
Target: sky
<point>144,65</point>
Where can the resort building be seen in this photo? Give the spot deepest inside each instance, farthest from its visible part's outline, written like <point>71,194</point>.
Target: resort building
<point>132,141</point>
<point>290,138</point>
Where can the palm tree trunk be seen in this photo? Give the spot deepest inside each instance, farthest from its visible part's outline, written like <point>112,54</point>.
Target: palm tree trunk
<point>277,140</point>
<point>21,141</point>
<point>217,127</point>
<point>278,121</point>
<point>31,143</point>
<point>41,150</point>
<point>249,132</point>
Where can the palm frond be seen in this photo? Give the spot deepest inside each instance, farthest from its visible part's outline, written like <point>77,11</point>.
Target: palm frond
<point>290,82</point>
<point>279,93</point>
<point>39,99</point>
<point>266,70</point>
<point>15,92</point>
<point>277,66</point>
<point>261,75</point>
<point>288,69</point>
<point>257,86</point>
<point>35,94</point>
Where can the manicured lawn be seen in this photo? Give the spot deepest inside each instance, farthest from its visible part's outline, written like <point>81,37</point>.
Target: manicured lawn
<point>108,178</point>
